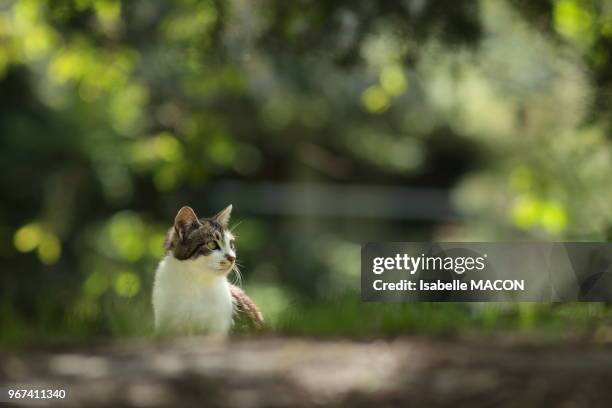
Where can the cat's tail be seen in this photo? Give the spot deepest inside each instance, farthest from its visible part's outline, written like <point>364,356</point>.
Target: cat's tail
<point>245,310</point>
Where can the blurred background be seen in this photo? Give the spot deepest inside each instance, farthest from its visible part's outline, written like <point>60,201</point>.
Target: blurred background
<point>325,124</point>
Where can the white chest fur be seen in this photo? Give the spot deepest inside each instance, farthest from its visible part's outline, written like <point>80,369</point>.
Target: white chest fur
<point>189,298</point>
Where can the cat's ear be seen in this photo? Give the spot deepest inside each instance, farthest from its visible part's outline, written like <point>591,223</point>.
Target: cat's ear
<point>185,219</point>
<point>223,216</point>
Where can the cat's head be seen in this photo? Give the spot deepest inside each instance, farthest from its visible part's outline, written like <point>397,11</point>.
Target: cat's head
<point>205,240</point>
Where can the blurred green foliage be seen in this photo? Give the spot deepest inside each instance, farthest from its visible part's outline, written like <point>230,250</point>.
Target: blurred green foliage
<point>348,317</point>
<point>114,113</point>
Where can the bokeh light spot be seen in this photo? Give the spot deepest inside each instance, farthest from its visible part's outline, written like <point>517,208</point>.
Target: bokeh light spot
<point>393,80</point>
<point>96,283</point>
<point>28,237</point>
<point>126,232</point>
<point>375,99</point>
<point>166,147</point>
<point>554,217</point>
<point>572,19</point>
<point>50,249</point>
<point>525,213</point>
<point>127,284</point>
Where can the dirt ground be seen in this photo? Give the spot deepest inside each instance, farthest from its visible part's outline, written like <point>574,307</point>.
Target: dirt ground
<point>279,372</point>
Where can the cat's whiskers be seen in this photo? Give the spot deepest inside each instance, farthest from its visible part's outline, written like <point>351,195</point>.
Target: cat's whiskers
<point>233,227</point>
<point>237,275</point>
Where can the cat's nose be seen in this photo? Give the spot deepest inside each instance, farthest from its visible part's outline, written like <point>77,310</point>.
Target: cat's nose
<point>230,258</point>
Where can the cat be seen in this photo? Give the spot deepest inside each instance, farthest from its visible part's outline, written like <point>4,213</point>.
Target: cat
<point>191,293</point>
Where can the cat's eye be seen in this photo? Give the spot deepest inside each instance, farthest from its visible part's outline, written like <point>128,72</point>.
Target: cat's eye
<point>232,244</point>
<point>212,245</point>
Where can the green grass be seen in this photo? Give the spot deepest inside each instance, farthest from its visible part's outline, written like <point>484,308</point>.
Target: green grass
<point>342,316</point>
<point>348,316</point>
